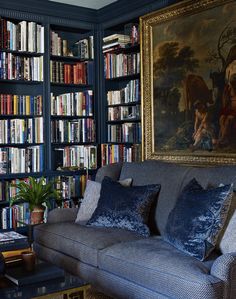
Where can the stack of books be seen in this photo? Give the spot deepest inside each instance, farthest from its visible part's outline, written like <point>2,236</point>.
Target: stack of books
<point>115,41</point>
<point>12,244</point>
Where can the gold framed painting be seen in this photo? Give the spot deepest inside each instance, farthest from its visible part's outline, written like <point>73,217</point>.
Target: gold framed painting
<point>189,82</point>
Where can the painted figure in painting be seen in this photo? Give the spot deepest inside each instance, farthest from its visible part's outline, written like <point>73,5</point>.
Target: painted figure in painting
<point>203,134</point>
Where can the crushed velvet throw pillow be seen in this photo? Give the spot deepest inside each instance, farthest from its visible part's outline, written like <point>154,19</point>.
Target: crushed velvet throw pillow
<point>196,221</point>
<point>90,200</point>
<point>124,207</point>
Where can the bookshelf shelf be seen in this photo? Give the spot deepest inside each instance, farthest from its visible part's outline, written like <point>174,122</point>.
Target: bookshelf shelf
<point>21,82</point>
<point>70,117</point>
<point>63,144</point>
<point>22,53</point>
<point>20,116</point>
<point>68,58</point>
<point>80,86</point>
<point>126,49</point>
<point>124,104</point>
<point>132,120</point>
<point>20,145</point>
<point>122,78</point>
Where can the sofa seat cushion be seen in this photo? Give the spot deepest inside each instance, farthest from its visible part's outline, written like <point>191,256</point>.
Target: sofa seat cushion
<point>157,265</point>
<point>78,241</point>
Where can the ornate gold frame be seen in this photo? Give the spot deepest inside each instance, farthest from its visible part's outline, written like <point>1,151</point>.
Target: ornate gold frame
<point>147,23</point>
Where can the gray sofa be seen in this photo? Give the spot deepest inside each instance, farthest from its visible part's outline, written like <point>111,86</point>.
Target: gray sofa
<point>126,265</point>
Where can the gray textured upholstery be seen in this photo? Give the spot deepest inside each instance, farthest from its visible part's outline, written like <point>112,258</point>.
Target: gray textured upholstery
<point>112,170</point>
<point>62,215</point>
<point>80,242</point>
<point>125,265</point>
<point>110,284</point>
<point>153,263</point>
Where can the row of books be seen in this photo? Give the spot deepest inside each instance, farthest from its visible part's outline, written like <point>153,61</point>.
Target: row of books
<point>118,65</point>
<point>114,153</point>
<point>21,36</point>
<point>127,132</point>
<point>123,112</point>
<point>76,130</point>
<point>21,160</point>
<point>86,48</point>
<point>73,104</point>
<point>20,104</point>
<point>20,131</point>
<point>76,157</point>
<point>59,46</point>
<point>13,67</point>
<point>7,190</point>
<point>11,215</point>
<point>129,94</point>
<point>76,73</point>
<point>71,187</point>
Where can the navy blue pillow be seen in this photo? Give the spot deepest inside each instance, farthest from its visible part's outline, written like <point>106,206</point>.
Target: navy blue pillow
<point>124,207</point>
<point>194,224</point>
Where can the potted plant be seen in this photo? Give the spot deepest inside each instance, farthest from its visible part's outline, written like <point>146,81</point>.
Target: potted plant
<point>36,192</point>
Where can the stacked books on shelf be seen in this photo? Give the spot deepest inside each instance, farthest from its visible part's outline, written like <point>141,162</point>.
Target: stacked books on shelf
<point>129,94</point>
<point>85,48</point>
<point>125,132</point>
<point>59,46</point>
<point>73,104</point>
<point>20,104</point>
<point>115,41</point>
<point>73,131</point>
<point>75,157</point>
<point>11,215</point>
<point>71,73</point>
<point>15,67</point>
<point>114,153</point>
<point>21,160</point>
<point>21,36</point>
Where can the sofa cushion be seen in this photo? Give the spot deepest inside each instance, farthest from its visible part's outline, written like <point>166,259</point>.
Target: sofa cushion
<point>124,207</point>
<point>90,200</point>
<point>160,267</point>
<point>80,242</point>
<point>195,223</point>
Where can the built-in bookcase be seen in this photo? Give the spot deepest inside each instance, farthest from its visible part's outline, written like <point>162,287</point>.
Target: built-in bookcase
<point>73,129</point>
<point>22,138</point>
<point>47,111</point>
<point>121,52</point>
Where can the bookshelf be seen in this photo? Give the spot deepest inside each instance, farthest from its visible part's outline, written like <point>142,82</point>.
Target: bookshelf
<point>22,147</point>
<point>121,51</point>
<point>72,116</point>
<point>47,107</point>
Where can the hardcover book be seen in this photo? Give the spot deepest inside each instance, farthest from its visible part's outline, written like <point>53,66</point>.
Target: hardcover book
<point>43,271</point>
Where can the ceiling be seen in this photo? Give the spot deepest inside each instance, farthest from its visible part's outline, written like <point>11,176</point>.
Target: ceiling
<point>94,4</point>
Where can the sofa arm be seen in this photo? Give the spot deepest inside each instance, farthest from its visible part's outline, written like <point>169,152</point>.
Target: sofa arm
<point>62,215</point>
<point>224,268</point>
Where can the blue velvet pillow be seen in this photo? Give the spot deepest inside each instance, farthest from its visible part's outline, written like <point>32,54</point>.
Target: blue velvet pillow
<point>197,219</point>
<point>124,207</point>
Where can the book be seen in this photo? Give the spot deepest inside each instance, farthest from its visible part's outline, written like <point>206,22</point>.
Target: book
<point>42,272</point>
<point>12,240</point>
<point>14,253</point>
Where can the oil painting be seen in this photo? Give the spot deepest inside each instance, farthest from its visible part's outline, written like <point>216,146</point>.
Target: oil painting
<point>189,82</point>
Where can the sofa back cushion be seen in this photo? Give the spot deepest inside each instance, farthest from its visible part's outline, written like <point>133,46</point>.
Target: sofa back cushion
<point>172,178</point>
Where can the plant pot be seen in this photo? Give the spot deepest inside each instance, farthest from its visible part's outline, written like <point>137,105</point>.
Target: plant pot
<point>36,215</point>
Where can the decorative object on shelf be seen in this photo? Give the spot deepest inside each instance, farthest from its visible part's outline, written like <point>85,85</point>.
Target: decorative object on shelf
<point>36,192</point>
<point>186,117</point>
<point>29,259</point>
